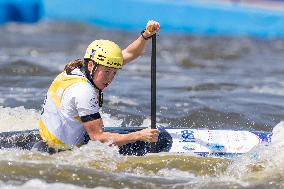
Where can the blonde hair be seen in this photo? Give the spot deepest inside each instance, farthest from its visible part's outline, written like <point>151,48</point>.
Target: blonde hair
<point>78,63</point>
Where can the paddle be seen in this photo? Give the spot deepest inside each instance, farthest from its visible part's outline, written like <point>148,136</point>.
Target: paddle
<point>153,89</point>
<point>153,83</point>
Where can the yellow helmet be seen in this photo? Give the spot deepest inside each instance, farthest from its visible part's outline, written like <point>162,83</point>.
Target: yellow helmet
<point>106,53</point>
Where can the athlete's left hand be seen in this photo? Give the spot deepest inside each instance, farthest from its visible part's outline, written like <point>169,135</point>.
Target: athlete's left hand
<point>152,27</point>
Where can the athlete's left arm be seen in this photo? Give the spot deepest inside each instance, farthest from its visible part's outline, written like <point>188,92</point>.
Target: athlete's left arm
<point>137,47</point>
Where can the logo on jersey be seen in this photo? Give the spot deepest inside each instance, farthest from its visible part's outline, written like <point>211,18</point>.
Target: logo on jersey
<point>94,102</point>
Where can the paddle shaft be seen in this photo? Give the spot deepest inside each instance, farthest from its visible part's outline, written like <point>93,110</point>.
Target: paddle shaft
<point>153,83</point>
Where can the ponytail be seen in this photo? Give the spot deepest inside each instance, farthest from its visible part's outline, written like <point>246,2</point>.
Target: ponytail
<point>78,63</point>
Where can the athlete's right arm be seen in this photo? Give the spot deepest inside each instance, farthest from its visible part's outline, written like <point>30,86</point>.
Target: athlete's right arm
<point>94,129</point>
<point>86,103</point>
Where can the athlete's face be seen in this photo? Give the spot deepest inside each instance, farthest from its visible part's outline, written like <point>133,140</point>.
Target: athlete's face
<point>103,76</point>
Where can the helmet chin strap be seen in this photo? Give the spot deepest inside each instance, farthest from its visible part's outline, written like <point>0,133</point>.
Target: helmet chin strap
<point>90,77</point>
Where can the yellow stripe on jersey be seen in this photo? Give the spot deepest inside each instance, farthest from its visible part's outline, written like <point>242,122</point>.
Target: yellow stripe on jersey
<point>49,138</point>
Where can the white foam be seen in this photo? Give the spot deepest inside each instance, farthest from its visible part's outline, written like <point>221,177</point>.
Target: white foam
<point>111,121</point>
<point>269,90</point>
<point>278,134</point>
<point>178,174</point>
<point>264,163</point>
<point>128,101</point>
<point>146,123</point>
<point>19,118</point>
<point>208,182</point>
<point>36,183</point>
<point>101,156</point>
<point>93,155</point>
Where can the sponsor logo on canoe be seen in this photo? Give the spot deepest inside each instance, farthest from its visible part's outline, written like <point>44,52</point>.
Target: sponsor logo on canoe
<point>269,137</point>
<point>187,136</point>
<point>190,146</point>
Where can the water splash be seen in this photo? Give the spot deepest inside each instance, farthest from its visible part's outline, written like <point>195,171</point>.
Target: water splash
<point>264,164</point>
<point>20,118</point>
<point>36,184</point>
<point>17,119</point>
<point>95,155</point>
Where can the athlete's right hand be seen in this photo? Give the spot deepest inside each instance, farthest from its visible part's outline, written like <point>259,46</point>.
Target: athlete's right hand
<point>149,135</point>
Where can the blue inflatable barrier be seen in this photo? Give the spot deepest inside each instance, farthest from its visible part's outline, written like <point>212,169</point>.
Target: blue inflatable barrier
<point>199,17</point>
<point>188,16</point>
<point>20,11</point>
